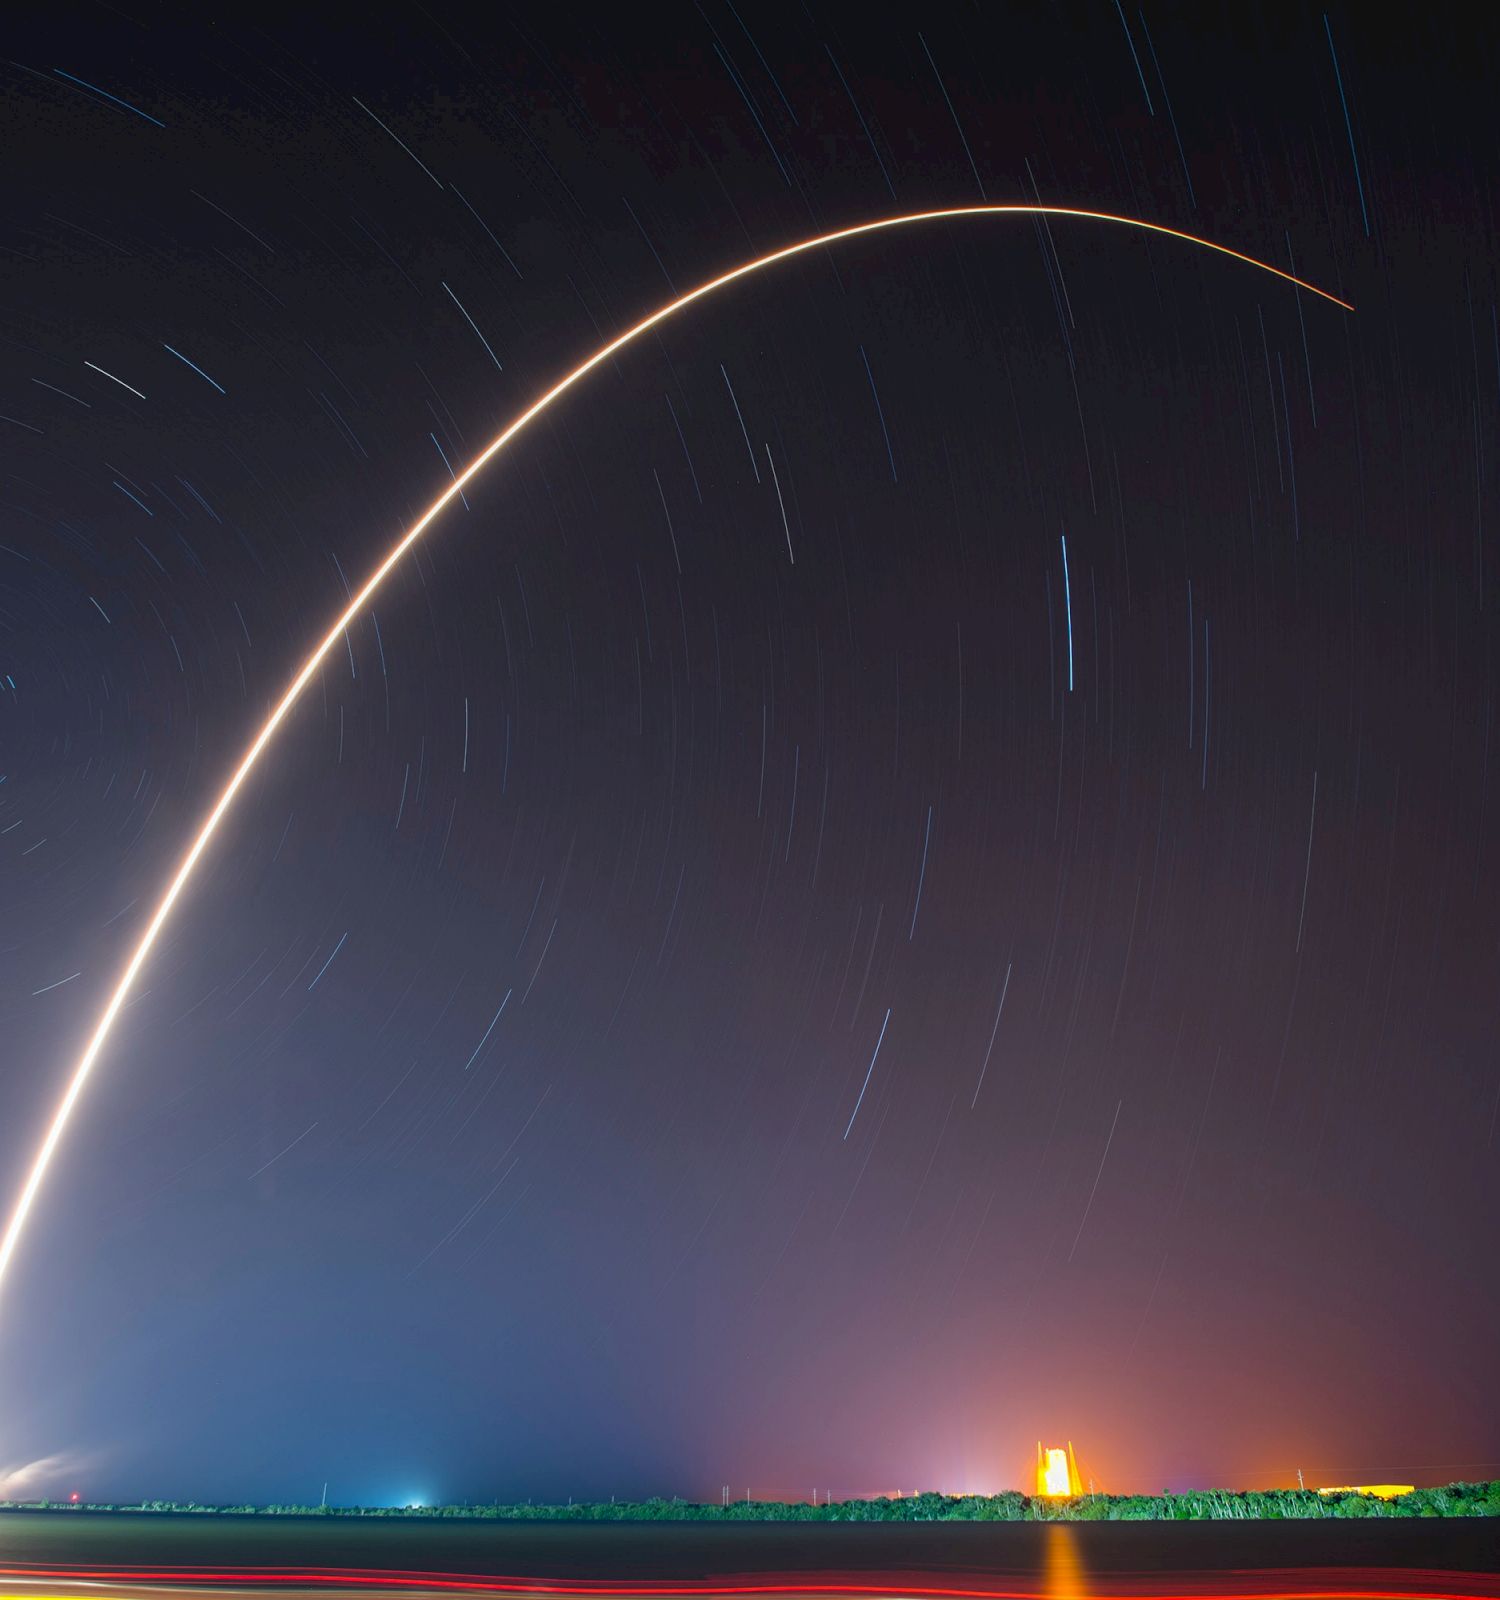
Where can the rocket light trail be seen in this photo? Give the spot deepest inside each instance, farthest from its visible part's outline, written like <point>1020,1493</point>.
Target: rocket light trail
<point>210,826</point>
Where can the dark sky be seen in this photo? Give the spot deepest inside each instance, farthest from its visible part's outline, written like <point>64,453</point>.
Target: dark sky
<point>718,803</point>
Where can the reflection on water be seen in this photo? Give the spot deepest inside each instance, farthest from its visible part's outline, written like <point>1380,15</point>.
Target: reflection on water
<point>1062,1565</point>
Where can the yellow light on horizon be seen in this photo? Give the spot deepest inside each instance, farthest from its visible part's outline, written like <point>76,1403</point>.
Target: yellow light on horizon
<point>1377,1491</point>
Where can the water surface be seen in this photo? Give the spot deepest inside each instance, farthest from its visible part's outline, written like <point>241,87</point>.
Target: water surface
<point>1056,1561</point>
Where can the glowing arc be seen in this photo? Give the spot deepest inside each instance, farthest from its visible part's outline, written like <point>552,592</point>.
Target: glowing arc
<point>210,827</point>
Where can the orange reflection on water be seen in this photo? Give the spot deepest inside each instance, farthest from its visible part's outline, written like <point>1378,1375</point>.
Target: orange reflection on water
<point>1062,1566</point>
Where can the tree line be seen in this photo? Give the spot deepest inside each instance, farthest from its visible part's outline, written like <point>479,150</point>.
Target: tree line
<point>1451,1500</point>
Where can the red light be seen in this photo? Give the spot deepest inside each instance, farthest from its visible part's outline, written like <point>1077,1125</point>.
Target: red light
<point>348,1580</point>
<point>74,1498</point>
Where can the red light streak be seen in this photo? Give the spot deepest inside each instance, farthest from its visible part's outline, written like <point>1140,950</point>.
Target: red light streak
<point>1236,1584</point>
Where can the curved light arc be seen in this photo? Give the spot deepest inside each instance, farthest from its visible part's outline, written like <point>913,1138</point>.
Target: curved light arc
<point>210,826</point>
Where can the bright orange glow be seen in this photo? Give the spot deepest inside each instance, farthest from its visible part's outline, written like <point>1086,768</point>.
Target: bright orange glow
<point>251,758</point>
<point>1056,1473</point>
<point>1062,1568</point>
<point>1380,1491</point>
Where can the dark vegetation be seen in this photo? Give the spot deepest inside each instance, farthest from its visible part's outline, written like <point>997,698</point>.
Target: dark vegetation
<point>1451,1500</point>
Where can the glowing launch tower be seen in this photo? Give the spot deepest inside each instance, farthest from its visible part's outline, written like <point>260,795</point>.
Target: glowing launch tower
<point>1057,1472</point>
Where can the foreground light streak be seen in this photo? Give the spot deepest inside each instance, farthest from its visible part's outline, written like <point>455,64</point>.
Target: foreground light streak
<point>85,1064</point>
<point>1235,1585</point>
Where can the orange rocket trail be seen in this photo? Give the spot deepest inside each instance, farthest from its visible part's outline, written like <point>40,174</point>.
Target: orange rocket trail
<point>84,1066</point>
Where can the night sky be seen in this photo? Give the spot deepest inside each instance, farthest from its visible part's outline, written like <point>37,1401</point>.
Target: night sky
<point>1053,664</point>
